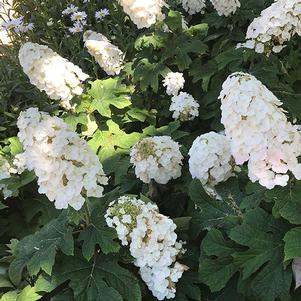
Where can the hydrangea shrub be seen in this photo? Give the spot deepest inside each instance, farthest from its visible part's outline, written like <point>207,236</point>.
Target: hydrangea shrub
<point>150,150</point>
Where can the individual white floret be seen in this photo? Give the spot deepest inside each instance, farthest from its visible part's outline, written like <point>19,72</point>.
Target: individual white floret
<point>193,6</point>
<point>174,82</point>
<point>275,26</point>
<point>78,16</point>
<point>77,27</point>
<point>259,131</point>
<point>107,55</point>
<point>144,13</point>
<point>210,160</point>
<point>153,243</point>
<point>157,158</point>
<point>70,10</point>
<point>101,14</point>
<point>225,7</point>
<point>66,168</point>
<point>184,107</point>
<point>49,72</point>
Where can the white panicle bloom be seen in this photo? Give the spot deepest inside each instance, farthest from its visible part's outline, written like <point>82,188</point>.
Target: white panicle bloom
<point>259,131</point>
<point>107,55</point>
<point>210,160</point>
<point>153,243</point>
<point>49,72</point>
<point>276,25</point>
<point>184,107</point>
<point>193,6</point>
<point>174,82</point>
<point>225,7</point>
<point>157,158</point>
<point>66,167</point>
<point>143,13</point>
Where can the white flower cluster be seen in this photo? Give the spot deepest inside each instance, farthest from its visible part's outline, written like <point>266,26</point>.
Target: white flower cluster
<point>225,7</point>
<point>17,25</point>
<point>153,243</point>
<point>276,25</point>
<point>5,173</point>
<point>210,160</point>
<point>157,158</point>
<point>101,14</point>
<point>259,131</point>
<point>193,6</point>
<point>7,169</point>
<point>66,167</point>
<point>79,18</point>
<point>174,82</point>
<point>107,55</point>
<point>50,72</point>
<point>144,13</point>
<point>184,107</point>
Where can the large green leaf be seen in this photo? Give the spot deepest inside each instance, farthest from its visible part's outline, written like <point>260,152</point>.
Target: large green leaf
<point>147,74</point>
<point>216,263</point>
<point>174,20</point>
<point>217,272</point>
<point>109,92</point>
<point>97,233</point>
<point>111,144</point>
<point>287,202</point>
<point>261,263</point>
<point>28,294</point>
<point>292,241</point>
<point>210,212</point>
<point>38,251</point>
<point>100,280</point>
<point>188,287</point>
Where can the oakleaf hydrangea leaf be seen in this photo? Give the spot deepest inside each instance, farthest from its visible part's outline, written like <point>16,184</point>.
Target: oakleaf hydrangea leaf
<point>100,280</point>
<point>109,92</point>
<point>98,233</point>
<point>37,251</point>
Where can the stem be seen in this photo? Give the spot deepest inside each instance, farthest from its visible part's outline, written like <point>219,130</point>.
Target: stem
<point>152,190</point>
<point>87,214</point>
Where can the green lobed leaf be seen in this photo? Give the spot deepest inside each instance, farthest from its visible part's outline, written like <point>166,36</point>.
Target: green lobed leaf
<point>97,233</point>
<point>37,251</point>
<point>147,74</point>
<point>102,279</point>
<point>216,264</point>
<point>188,287</point>
<point>109,92</point>
<point>287,202</point>
<point>262,270</point>
<point>292,241</point>
<point>210,212</point>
